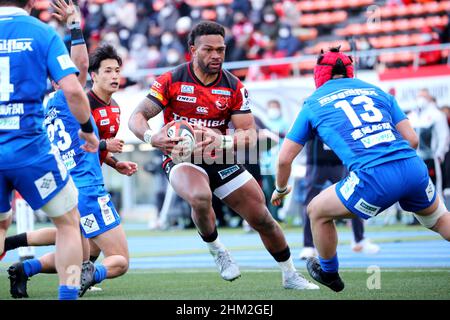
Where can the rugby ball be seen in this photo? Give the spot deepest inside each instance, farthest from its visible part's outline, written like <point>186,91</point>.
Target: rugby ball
<point>184,148</point>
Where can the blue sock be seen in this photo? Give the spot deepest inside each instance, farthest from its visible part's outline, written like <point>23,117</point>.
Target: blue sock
<point>32,267</point>
<point>100,273</point>
<point>68,293</point>
<point>330,265</point>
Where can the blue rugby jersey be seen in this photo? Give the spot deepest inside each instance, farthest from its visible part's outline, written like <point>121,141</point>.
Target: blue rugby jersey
<point>356,120</point>
<point>62,129</point>
<point>30,51</point>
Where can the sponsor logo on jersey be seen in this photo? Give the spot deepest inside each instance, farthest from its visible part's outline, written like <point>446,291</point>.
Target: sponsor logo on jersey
<point>201,110</point>
<point>187,99</point>
<point>68,160</point>
<point>430,190</point>
<point>45,185</point>
<point>201,122</point>
<point>51,115</point>
<point>228,171</point>
<point>367,208</point>
<point>104,122</point>
<point>115,110</point>
<point>156,85</point>
<point>112,129</point>
<point>11,109</point>
<point>222,92</point>
<point>10,123</point>
<point>222,102</point>
<point>65,62</point>
<point>245,100</point>
<point>374,139</point>
<point>187,89</point>
<point>15,45</point>
<point>349,185</point>
<point>89,223</point>
<point>107,213</point>
<point>156,94</point>
<point>344,93</point>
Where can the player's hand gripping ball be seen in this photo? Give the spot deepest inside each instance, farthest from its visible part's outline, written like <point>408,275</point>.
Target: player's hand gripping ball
<point>183,150</point>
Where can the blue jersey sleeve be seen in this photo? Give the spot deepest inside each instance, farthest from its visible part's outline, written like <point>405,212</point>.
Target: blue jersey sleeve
<point>58,59</point>
<point>301,130</point>
<point>397,114</point>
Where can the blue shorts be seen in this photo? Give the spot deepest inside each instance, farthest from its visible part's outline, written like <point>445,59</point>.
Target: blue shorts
<point>367,192</point>
<point>37,183</point>
<point>97,212</point>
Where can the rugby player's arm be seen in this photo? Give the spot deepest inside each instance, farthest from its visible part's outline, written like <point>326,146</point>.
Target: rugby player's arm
<point>245,130</point>
<point>80,58</point>
<point>406,130</point>
<point>76,98</point>
<point>289,150</point>
<point>138,122</point>
<point>110,160</point>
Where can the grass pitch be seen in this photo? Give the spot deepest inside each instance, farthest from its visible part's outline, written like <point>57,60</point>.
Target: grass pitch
<point>255,284</point>
<point>206,284</point>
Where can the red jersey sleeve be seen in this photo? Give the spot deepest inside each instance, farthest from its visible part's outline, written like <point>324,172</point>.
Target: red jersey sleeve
<point>241,100</point>
<point>159,91</point>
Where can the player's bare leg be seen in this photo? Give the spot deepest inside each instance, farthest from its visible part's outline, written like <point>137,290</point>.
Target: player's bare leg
<point>94,251</point>
<point>322,211</point>
<point>45,264</point>
<point>68,255</point>
<point>437,218</point>
<point>193,186</point>
<point>4,225</point>
<point>113,244</point>
<point>249,202</point>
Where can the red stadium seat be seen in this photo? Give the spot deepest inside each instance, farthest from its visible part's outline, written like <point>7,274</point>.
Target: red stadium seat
<point>416,9</point>
<point>402,25</point>
<point>374,28</point>
<point>388,26</point>
<point>402,40</point>
<point>432,7</point>
<point>445,6</point>
<point>418,23</point>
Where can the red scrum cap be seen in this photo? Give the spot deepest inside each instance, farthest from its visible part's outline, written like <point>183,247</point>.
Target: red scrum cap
<point>330,64</point>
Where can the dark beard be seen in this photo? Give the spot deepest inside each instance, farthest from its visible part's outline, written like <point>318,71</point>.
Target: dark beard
<point>206,69</point>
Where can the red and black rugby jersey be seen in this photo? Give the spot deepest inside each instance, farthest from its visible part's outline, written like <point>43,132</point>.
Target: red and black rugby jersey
<point>182,95</point>
<point>107,118</point>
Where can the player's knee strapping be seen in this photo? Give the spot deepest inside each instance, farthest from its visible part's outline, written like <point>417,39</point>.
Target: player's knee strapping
<point>431,220</point>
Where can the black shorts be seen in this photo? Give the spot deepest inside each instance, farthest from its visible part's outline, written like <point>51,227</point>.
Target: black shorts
<point>223,178</point>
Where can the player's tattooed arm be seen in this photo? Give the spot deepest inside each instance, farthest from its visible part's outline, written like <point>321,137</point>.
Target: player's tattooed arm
<point>138,122</point>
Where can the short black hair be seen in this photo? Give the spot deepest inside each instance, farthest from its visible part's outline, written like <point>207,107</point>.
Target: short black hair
<point>104,52</point>
<point>204,28</point>
<point>19,3</point>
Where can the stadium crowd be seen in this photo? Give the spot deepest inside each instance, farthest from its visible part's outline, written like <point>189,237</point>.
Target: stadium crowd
<point>153,33</point>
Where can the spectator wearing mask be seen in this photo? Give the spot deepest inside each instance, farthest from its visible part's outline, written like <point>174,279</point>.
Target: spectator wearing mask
<point>432,129</point>
<point>276,128</point>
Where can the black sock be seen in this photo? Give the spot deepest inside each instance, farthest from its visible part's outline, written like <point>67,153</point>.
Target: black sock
<point>282,255</point>
<point>212,237</point>
<point>13,242</point>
